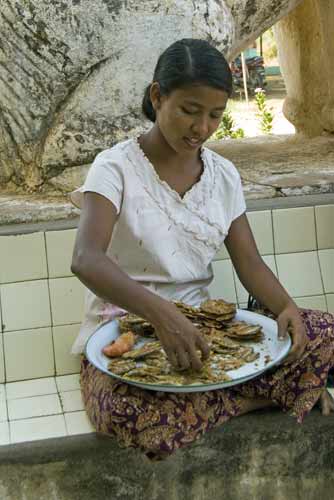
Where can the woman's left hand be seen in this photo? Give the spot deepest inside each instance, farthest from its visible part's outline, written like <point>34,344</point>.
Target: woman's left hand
<point>289,320</point>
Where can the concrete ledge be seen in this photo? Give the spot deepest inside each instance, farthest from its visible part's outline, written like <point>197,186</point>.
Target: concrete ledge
<point>252,206</point>
<point>262,456</point>
<point>20,209</point>
<point>271,167</point>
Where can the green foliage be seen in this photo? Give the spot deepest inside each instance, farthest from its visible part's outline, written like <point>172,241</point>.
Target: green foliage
<point>264,113</point>
<point>269,45</point>
<point>226,129</point>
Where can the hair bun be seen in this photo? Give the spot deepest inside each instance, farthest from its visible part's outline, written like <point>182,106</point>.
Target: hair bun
<point>147,107</point>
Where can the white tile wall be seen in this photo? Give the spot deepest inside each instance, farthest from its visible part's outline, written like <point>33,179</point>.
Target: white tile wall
<point>330,302</point>
<point>242,294</point>
<point>68,382</point>
<point>2,361</point>
<point>41,303</point>
<point>63,338</point>
<point>325,226</point>
<point>30,388</point>
<point>0,314</point>
<point>78,423</point>
<point>4,433</point>
<point>316,302</point>
<point>38,409</point>
<point>299,273</point>
<point>71,401</point>
<point>222,254</point>
<point>294,230</point>
<point>327,269</point>
<point>3,404</point>
<point>29,354</point>
<point>67,300</point>
<point>222,286</point>
<point>33,429</point>
<point>25,305</point>
<point>22,257</point>
<point>37,406</point>
<point>59,245</point>
<point>41,405</point>
<point>261,226</point>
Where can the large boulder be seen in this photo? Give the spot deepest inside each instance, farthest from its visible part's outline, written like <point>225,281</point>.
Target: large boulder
<point>72,73</point>
<point>306,50</point>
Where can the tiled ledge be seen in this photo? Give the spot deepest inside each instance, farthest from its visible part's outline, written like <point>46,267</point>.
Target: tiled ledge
<point>41,305</point>
<point>45,408</point>
<point>42,408</point>
<point>41,302</point>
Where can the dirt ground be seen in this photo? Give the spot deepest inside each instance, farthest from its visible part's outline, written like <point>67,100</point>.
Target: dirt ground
<point>245,115</point>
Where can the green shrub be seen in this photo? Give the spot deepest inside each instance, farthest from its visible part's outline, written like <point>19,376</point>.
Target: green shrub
<point>226,129</point>
<point>264,113</point>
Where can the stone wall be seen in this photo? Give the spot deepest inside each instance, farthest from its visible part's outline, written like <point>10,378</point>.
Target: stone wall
<point>72,73</point>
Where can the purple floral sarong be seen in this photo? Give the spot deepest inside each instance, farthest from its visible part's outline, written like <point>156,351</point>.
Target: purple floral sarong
<point>159,422</point>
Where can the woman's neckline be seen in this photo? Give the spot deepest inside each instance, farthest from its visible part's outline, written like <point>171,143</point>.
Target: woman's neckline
<point>164,183</point>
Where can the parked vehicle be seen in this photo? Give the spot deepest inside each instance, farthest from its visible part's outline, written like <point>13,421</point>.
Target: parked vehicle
<point>256,77</point>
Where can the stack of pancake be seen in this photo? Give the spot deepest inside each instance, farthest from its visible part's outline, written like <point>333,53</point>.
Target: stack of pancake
<point>148,362</point>
<point>211,315</point>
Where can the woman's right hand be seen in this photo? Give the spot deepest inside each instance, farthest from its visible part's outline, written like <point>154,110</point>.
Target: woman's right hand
<point>180,339</point>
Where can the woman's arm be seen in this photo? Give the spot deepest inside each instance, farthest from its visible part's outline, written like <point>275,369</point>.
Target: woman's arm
<point>103,277</point>
<point>262,284</point>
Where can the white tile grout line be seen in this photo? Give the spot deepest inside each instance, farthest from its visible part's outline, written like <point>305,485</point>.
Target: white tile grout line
<point>41,279</point>
<point>1,315</point>
<point>3,341</point>
<point>273,232</point>
<point>23,281</point>
<point>234,282</point>
<point>51,314</point>
<point>46,255</point>
<point>321,277</point>
<point>7,412</point>
<point>58,393</point>
<point>4,361</point>
<point>316,230</point>
<point>40,328</point>
<point>61,400</point>
<point>276,267</point>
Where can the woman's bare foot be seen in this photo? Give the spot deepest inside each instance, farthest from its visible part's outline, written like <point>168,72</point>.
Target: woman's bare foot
<point>326,403</point>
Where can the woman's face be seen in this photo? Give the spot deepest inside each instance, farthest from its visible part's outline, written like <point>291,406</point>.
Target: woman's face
<point>188,116</point>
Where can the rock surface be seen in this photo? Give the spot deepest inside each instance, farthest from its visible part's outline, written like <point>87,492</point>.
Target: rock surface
<point>71,84</point>
<point>306,53</point>
<point>272,166</point>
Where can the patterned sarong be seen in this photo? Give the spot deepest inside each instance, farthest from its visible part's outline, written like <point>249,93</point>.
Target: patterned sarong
<point>159,422</point>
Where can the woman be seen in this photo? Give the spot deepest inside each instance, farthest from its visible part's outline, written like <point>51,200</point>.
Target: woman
<point>155,211</point>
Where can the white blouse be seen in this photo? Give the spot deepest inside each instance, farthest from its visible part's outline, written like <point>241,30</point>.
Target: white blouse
<point>163,241</point>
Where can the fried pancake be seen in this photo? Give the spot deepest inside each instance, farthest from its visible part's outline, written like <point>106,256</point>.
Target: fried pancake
<point>142,352</point>
<point>218,307</point>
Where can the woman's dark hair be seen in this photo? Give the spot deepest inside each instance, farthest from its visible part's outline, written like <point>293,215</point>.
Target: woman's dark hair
<point>188,62</point>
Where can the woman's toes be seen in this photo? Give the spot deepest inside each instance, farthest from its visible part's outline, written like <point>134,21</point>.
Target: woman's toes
<point>327,403</point>
<point>331,402</point>
<point>325,410</point>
